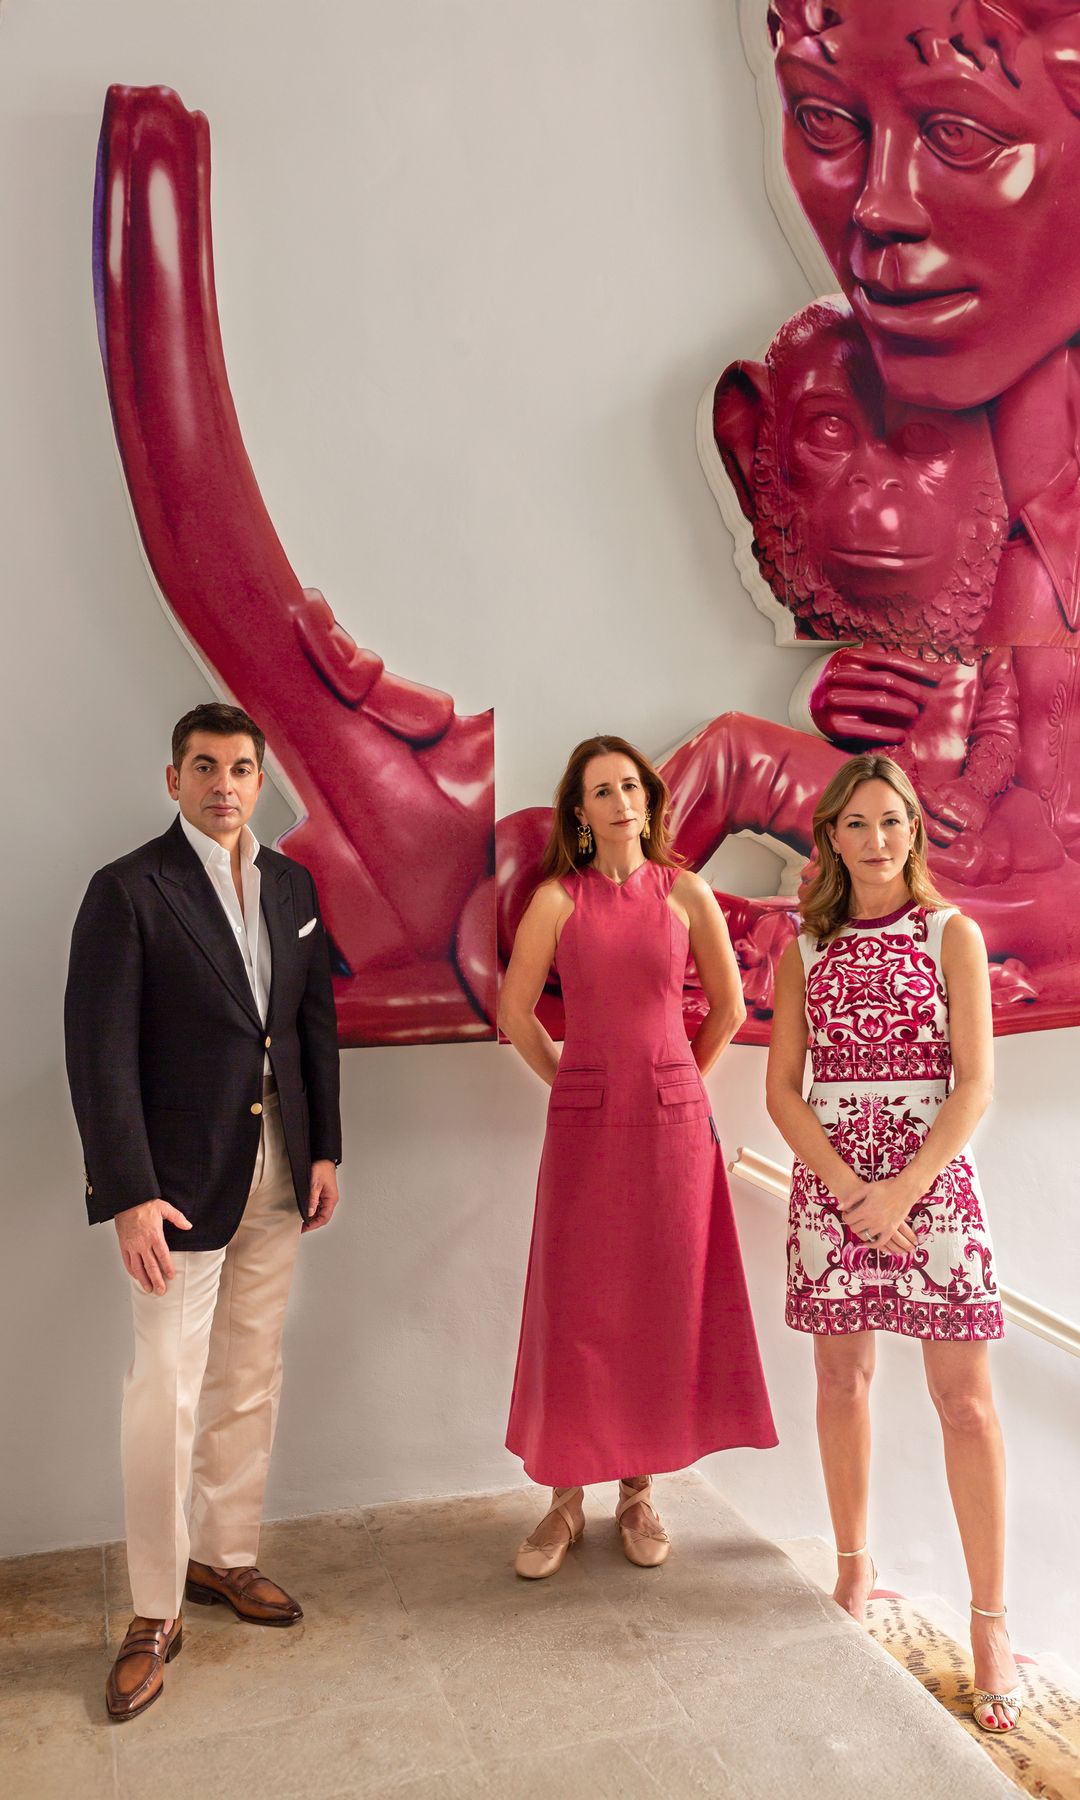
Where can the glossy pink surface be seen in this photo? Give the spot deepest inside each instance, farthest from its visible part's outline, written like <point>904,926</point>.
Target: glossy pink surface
<point>873,517</point>
<point>912,473</point>
<point>933,147</point>
<point>397,790</point>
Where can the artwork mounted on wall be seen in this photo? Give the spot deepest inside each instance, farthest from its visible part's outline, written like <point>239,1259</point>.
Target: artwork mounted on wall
<point>393,790</point>
<point>898,466</point>
<point>900,473</point>
<point>900,469</point>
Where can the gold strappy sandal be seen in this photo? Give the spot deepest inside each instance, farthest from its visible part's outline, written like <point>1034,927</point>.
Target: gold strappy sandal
<point>983,1698</point>
<point>536,1561</point>
<point>873,1569</point>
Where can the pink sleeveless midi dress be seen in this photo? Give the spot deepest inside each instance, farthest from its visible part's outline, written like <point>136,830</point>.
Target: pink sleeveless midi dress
<point>637,1353</point>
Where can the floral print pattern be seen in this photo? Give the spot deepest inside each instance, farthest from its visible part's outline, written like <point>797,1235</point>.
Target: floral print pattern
<point>878,1015</point>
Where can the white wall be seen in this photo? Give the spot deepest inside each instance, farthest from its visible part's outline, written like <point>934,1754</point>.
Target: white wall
<point>476,263</point>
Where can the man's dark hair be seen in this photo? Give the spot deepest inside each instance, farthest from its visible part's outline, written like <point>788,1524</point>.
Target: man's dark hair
<point>223,721</point>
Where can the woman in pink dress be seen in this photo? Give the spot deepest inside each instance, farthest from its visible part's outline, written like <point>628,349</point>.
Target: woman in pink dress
<point>888,1230</point>
<point>637,1345</point>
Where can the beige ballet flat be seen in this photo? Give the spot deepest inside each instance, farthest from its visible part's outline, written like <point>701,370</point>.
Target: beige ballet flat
<point>536,1561</point>
<point>1013,1699</point>
<point>644,1552</point>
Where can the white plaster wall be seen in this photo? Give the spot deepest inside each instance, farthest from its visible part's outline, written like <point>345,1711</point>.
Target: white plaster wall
<point>477,260</point>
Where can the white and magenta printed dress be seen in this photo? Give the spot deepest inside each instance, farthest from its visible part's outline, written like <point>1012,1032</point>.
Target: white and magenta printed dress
<point>882,1064</point>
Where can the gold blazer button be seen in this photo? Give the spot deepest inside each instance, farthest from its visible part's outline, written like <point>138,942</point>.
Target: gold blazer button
<point>266,1042</point>
<point>257,1108</point>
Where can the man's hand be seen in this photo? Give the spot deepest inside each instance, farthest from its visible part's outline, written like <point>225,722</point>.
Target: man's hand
<point>142,1242</point>
<point>322,1196</point>
<point>870,698</point>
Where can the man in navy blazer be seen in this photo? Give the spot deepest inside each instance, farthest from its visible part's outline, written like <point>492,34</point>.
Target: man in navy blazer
<point>203,1062</point>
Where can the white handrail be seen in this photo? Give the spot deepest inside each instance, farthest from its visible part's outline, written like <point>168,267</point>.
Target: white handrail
<point>761,1172</point>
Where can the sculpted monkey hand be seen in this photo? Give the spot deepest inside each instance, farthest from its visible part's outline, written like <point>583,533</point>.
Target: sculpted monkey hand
<point>871,697</point>
<point>952,808</point>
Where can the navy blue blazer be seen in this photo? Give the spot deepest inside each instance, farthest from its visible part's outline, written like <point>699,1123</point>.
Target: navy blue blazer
<point>165,1046</point>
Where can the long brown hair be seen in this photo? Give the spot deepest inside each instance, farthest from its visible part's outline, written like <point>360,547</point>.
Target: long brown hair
<point>561,854</point>
<point>826,904</point>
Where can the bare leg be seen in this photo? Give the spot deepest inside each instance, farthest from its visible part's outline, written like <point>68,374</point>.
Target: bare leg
<point>958,1376</point>
<point>845,1368</point>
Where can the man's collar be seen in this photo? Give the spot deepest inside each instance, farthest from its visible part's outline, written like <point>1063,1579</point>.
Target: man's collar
<point>206,847</point>
<point>1052,522</point>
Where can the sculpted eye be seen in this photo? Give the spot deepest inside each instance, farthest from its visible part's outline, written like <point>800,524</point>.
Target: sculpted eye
<point>959,142</point>
<point>829,431</point>
<point>827,127</point>
<point>921,439</point>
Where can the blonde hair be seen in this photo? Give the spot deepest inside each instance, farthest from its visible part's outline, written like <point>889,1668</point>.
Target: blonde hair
<point>826,905</point>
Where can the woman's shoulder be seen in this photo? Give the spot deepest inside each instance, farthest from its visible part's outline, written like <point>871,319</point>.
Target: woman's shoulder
<point>956,927</point>
<point>554,894</point>
<point>809,943</point>
<point>683,883</point>
<point>936,919</point>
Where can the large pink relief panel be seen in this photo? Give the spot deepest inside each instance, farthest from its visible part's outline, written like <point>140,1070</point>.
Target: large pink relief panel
<point>394,791</point>
<point>900,467</point>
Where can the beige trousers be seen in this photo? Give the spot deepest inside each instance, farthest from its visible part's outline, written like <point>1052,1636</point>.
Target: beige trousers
<point>201,1395</point>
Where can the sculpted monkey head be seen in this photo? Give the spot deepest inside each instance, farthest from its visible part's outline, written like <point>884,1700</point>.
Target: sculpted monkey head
<point>934,146</point>
<point>873,520</point>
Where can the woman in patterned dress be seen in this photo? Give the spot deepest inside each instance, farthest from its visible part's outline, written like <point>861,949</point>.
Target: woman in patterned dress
<point>887,1228</point>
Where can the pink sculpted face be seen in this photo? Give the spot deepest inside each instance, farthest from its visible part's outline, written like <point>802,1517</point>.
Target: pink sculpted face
<point>873,519</point>
<point>934,148</point>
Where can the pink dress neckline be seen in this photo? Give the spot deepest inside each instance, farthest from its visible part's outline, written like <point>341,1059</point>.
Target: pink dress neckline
<point>888,918</point>
<point>591,869</point>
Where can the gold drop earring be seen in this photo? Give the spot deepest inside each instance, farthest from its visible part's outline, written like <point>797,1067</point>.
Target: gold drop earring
<point>646,829</point>
<point>584,840</point>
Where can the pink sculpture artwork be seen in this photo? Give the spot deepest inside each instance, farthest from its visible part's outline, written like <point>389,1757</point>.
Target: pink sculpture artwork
<point>907,463</point>
<point>396,792</point>
<point>900,467</point>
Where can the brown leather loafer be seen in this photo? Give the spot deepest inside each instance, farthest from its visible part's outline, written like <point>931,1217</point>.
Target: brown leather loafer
<point>137,1676</point>
<point>252,1596</point>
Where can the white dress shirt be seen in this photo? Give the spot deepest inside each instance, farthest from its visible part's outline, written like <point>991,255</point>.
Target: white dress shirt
<point>252,941</point>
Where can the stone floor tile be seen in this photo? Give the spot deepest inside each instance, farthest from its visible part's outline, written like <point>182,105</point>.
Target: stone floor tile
<point>425,1670</point>
<point>520,1691</point>
<point>48,1677</point>
<point>673,1764</point>
<point>833,1714</point>
<point>330,1556</point>
<point>354,1644</point>
<point>230,1674</point>
<point>61,1591</point>
<point>366,1752</point>
<point>466,1783</point>
<point>459,1551</point>
<point>735,1597</point>
<point>44,1763</point>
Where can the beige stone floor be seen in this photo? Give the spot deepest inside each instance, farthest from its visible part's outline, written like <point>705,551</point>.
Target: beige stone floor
<point>424,1670</point>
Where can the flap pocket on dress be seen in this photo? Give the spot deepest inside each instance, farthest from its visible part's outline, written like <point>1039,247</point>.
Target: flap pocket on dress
<point>576,1096</point>
<point>676,1090</point>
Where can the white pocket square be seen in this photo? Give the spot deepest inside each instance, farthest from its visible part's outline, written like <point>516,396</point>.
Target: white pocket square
<point>304,929</point>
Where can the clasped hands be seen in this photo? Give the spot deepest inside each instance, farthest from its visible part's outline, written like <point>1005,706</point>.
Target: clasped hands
<point>141,1229</point>
<point>876,1212</point>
